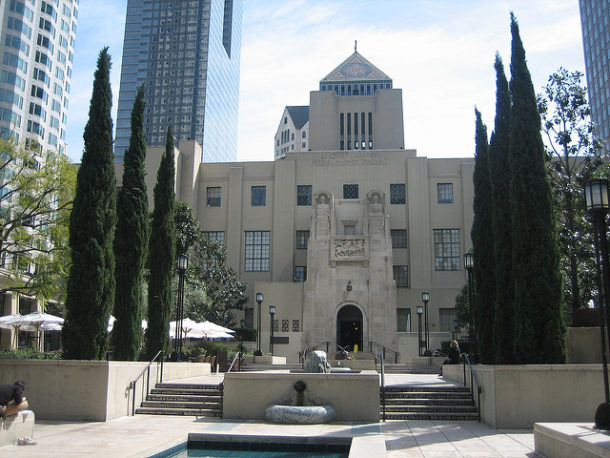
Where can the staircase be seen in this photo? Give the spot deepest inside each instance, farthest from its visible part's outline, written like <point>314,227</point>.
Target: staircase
<point>183,399</point>
<point>451,403</point>
<point>268,367</point>
<point>413,366</point>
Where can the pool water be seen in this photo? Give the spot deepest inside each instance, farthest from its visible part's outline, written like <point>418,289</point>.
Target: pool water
<point>254,450</point>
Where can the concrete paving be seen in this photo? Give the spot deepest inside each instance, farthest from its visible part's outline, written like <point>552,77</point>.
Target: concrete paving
<point>144,435</point>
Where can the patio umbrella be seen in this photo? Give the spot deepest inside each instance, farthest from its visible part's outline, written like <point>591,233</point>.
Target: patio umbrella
<point>190,329</point>
<point>41,322</point>
<point>208,326</point>
<point>112,319</point>
<point>10,322</point>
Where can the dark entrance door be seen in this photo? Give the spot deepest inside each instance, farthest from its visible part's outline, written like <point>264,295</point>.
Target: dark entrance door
<point>349,327</point>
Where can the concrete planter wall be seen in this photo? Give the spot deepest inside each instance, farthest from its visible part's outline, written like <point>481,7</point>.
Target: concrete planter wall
<point>355,397</point>
<point>86,390</point>
<point>519,396</point>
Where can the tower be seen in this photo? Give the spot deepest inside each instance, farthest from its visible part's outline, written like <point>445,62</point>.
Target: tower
<point>37,54</point>
<point>186,52</point>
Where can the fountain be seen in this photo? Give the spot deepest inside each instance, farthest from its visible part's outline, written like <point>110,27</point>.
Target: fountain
<point>299,413</point>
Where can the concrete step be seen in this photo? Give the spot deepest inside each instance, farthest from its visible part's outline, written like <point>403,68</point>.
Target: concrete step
<point>189,386</point>
<point>428,401</point>
<point>427,389</point>
<point>432,408</point>
<point>179,411</point>
<point>182,405</point>
<point>182,398</point>
<point>444,416</point>
<point>185,391</point>
<point>428,395</point>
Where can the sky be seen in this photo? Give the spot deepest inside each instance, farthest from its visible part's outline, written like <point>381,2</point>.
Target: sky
<point>439,52</point>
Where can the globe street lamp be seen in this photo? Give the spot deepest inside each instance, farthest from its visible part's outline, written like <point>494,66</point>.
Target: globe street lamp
<point>468,265</point>
<point>182,262</point>
<point>419,310</point>
<point>259,301</point>
<point>425,297</point>
<point>596,199</point>
<point>271,313</point>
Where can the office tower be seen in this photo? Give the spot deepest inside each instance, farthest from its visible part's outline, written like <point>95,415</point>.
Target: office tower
<point>37,45</point>
<point>595,17</point>
<point>187,53</point>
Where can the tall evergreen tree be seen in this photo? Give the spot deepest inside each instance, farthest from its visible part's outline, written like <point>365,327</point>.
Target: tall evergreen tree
<point>162,253</point>
<point>90,290</point>
<point>499,172</point>
<point>483,246</point>
<point>539,326</point>
<point>131,242</point>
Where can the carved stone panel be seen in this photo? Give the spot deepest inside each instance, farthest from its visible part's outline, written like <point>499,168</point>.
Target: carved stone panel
<point>349,248</point>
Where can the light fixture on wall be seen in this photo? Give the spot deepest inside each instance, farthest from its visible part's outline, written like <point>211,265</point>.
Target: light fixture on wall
<point>349,286</point>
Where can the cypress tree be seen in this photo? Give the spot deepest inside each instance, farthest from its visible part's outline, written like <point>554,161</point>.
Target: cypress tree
<point>131,242</point>
<point>483,246</point>
<point>539,326</point>
<point>504,319</point>
<point>162,253</point>
<point>90,289</point>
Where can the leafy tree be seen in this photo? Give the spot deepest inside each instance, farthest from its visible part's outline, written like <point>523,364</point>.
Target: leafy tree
<point>36,194</point>
<point>90,291</point>
<point>499,172</point>
<point>540,329</point>
<point>131,242</point>
<point>462,307</point>
<point>212,289</point>
<point>162,253</point>
<point>574,157</point>
<point>483,246</point>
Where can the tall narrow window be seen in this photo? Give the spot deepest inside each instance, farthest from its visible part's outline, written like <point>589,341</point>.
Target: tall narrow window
<point>397,194</point>
<point>399,238</point>
<point>302,240</point>
<point>362,134</point>
<point>356,131</point>
<point>370,130</point>
<point>447,255</point>
<point>341,133</point>
<point>259,196</point>
<point>401,276</point>
<point>257,251</point>
<point>403,319</point>
<point>303,195</point>
<point>349,131</point>
<point>300,273</point>
<point>213,197</point>
<point>444,193</point>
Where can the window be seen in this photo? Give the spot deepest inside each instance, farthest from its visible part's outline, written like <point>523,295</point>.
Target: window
<point>445,193</point>
<point>302,239</point>
<point>447,319</point>
<point>259,196</point>
<point>399,238</point>
<point>285,324</point>
<point>349,229</point>
<point>403,320</point>
<point>300,273</point>
<point>397,194</point>
<point>350,191</point>
<point>303,195</point>
<point>447,255</point>
<point>257,251</point>
<point>215,236</point>
<point>296,325</point>
<point>213,197</point>
<point>401,276</point>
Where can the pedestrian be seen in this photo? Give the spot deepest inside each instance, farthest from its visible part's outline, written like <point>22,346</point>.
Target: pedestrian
<point>12,399</point>
<point>454,355</point>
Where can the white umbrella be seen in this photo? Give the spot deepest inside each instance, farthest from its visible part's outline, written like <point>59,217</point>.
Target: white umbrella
<point>190,329</point>
<point>41,322</point>
<point>219,335</point>
<point>208,326</point>
<point>112,319</point>
<point>10,322</point>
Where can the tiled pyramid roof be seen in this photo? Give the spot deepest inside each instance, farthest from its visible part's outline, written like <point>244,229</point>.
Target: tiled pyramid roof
<point>355,68</point>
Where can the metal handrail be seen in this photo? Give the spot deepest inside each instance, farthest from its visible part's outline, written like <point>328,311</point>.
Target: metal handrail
<point>384,349</point>
<point>237,355</point>
<point>303,356</point>
<point>473,377</point>
<point>382,387</point>
<point>133,384</point>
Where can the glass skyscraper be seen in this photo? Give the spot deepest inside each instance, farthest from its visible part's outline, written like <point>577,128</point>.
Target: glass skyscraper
<point>187,53</point>
<point>37,44</point>
<point>595,17</point>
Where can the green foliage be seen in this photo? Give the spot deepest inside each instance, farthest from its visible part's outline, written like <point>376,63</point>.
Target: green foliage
<point>91,284</point>
<point>37,192</point>
<point>29,353</point>
<point>539,330</point>
<point>162,253</point>
<point>483,247</point>
<point>210,348</point>
<point>573,157</point>
<point>499,172</point>
<point>131,242</point>
<point>462,307</point>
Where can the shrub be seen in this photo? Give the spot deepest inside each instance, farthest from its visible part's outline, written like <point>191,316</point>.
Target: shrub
<point>29,353</point>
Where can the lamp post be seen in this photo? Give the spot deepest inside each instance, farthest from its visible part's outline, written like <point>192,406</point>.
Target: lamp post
<point>468,264</point>
<point>419,310</point>
<point>596,199</point>
<point>271,313</point>
<point>259,301</point>
<point>181,264</point>
<point>425,297</point>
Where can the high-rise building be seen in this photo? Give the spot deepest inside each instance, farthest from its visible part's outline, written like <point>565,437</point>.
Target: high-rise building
<point>595,17</point>
<point>37,43</point>
<point>186,52</point>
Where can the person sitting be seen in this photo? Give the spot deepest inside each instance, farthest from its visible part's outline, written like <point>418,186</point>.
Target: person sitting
<point>12,400</point>
<point>454,355</point>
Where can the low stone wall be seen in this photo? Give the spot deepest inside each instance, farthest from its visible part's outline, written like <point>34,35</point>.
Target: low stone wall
<point>355,397</point>
<point>517,396</point>
<point>86,390</point>
<point>356,364</point>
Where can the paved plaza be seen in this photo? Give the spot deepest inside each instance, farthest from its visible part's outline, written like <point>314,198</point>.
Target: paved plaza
<point>144,435</point>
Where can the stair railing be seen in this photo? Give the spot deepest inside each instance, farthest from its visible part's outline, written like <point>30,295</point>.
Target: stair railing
<point>375,346</point>
<point>158,378</point>
<point>473,378</point>
<point>382,387</point>
<point>237,355</point>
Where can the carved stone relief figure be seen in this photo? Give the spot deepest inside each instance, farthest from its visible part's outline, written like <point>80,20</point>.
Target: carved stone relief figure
<point>322,214</point>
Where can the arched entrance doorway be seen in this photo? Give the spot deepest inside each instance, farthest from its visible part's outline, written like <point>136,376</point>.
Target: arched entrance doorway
<point>349,327</point>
